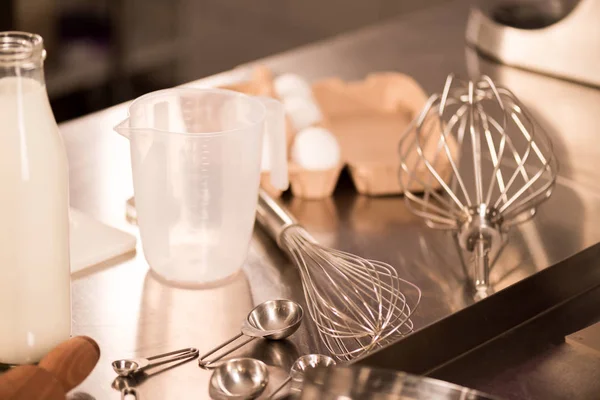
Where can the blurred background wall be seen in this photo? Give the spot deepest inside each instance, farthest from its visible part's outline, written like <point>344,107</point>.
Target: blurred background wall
<point>103,52</point>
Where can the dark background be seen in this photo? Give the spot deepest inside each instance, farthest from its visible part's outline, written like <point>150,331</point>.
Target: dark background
<point>103,52</point>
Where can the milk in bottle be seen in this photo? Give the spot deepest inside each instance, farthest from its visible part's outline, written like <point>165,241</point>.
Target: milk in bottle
<point>35,310</point>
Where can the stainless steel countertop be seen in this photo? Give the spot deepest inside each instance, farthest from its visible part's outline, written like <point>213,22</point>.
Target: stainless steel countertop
<point>130,313</point>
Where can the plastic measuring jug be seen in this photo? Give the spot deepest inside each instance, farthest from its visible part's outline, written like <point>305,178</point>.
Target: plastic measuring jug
<point>196,162</point>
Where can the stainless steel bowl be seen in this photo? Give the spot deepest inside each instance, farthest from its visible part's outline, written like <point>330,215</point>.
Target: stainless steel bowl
<point>376,384</point>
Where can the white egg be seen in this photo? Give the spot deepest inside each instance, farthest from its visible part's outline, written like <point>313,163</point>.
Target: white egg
<point>291,85</point>
<point>302,112</point>
<point>316,148</point>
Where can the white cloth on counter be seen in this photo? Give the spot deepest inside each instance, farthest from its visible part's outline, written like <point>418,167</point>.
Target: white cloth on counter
<point>92,242</point>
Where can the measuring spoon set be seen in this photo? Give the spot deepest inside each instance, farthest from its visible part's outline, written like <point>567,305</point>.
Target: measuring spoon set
<point>238,378</point>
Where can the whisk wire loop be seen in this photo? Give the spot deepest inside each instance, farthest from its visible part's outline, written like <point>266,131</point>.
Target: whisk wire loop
<point>357,304</point>
<point>475,161</point>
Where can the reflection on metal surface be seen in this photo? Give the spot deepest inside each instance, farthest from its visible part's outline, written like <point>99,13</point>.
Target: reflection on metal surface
<point>437,257</point>
<point>567,111</point>
<point>182,313</point>
<point>561,42</point>
<point>531,14</point>
<point>177,317</point>
<point>532,361</point>
<point>280,353</point>
<point>321,217</point>
<point>371,215</point>
<point>125,385</point>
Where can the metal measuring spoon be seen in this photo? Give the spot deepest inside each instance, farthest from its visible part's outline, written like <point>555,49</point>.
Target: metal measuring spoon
<point>122,384</point>
<point>301,365</point>
<point>127,367</point>
<point>239,378</point>
<point>273,319</point>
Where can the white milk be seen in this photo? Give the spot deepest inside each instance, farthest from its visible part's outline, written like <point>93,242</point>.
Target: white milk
<point>35,310</point>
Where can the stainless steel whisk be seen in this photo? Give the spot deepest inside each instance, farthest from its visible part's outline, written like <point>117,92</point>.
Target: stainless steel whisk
<point>356,304</point>
<point>481,163</point>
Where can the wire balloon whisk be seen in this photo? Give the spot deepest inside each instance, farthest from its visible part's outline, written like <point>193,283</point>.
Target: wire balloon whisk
<point>474,161</point>
<point>357,304</point>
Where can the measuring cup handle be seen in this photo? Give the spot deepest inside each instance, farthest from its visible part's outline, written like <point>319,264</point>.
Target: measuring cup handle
<point>272,395</point>
<point>276,136</point>
<point>203,362</point>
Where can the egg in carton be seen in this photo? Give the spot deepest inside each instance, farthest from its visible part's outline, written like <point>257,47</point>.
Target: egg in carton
<point>367,119</point>
<point>302,120</point>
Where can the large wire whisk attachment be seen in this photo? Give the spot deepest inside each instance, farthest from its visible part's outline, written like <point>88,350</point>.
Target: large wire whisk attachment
<point>474,161</point>
<point>357,304</point>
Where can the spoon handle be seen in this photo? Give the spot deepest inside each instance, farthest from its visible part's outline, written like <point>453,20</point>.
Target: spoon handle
<point>272,395</point>
<point>129,394</point>
<point>205,363</point>
<point>171,356</point>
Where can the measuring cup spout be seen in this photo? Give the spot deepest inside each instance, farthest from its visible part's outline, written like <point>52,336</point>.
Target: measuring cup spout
<point>123,128</point>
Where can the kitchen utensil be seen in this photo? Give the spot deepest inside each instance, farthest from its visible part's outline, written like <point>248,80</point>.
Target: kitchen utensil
<point>238,378</point>
<point>196,159</point>
<point>72,361</point>
<point>356,304</point>
<point>126,367</point>
<point>273,319</point>
<point>301,365</point>
<point>276,353</point>
<point>62,369</point>
<point>28,382</point>
<point>129,394</point>
<point>125,385</point>
<point>354,382</point>
<point>558,38</point>
<point>503,170</point>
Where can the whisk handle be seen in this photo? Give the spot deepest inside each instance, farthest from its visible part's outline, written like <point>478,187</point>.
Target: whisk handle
<point>272,216</point>
<point>482,266</point>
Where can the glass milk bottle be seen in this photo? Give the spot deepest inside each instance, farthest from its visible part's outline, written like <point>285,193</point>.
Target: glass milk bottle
<point>35,308</point>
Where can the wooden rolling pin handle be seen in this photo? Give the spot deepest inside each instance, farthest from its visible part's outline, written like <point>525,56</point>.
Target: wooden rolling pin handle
<point>29,382</point>
<point>65,367</point>
<point>72,361</point>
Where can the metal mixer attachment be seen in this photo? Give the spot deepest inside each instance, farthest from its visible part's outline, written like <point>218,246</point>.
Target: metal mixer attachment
<point>474,161</point>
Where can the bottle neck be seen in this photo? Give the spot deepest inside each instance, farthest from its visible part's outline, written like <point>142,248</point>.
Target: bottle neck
<point>22,54</point>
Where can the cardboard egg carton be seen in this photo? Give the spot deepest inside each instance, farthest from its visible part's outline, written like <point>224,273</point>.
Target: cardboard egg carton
<point>368,118</point>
